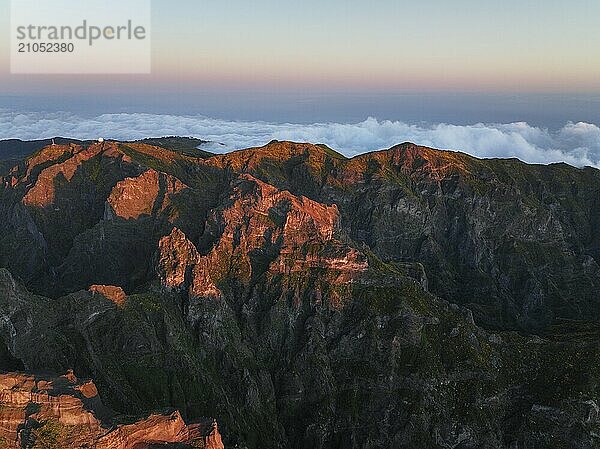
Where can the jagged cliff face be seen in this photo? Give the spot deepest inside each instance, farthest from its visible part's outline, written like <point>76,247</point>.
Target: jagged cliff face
<point>78,215</point>
<point>517,243</point>
<point>308,300</point>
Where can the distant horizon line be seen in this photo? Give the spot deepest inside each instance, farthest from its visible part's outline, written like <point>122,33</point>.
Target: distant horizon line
<point>308,92</point>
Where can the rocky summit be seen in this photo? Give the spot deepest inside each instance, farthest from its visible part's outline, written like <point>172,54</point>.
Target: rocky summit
<point>407,298</point>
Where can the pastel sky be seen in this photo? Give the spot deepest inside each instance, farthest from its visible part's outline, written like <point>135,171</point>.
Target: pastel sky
<point>352,45</point>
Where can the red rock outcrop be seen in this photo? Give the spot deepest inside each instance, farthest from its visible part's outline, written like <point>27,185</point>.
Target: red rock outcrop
<point>300,229</point>
<point>27,400</point>
<point>180,266</point>
<point>293,234</point>
<point>50,154</point>
<point>150,192</point>
<point>111,292</point>
<point>177,256</point>
<point>209,434</point>
<point>66,412</point>
<point>158,430</point>
<point>64,162</point>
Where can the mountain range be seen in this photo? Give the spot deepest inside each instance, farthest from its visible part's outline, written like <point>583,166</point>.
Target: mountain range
<point>403,298</point>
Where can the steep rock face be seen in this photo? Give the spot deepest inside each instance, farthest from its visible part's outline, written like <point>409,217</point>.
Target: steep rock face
<point>262,222</point>
<point>491,233</point>
<point>43,411</point>
<point>27,322</point>
<point>177,255</point>
<point>180,266</point>
<point>260,230</point>
<point>91,214</point>
<point>161,430</point>
<point>313,346</point>
<point>59,194</point>
<point>147,194</point>
<point>392,368</point>
<point>514,242</point>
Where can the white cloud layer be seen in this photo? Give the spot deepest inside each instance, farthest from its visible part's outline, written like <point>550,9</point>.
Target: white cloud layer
<point>576,143</point>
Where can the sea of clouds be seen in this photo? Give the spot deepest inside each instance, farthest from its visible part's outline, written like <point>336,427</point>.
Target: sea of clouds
<point>575,143</point>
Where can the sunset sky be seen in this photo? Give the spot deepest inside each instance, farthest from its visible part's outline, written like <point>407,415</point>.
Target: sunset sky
<point>385,46</point>
<point>495,78</point>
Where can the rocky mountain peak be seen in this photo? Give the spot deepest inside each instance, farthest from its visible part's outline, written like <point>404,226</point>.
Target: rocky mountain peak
<point>313,156</point>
